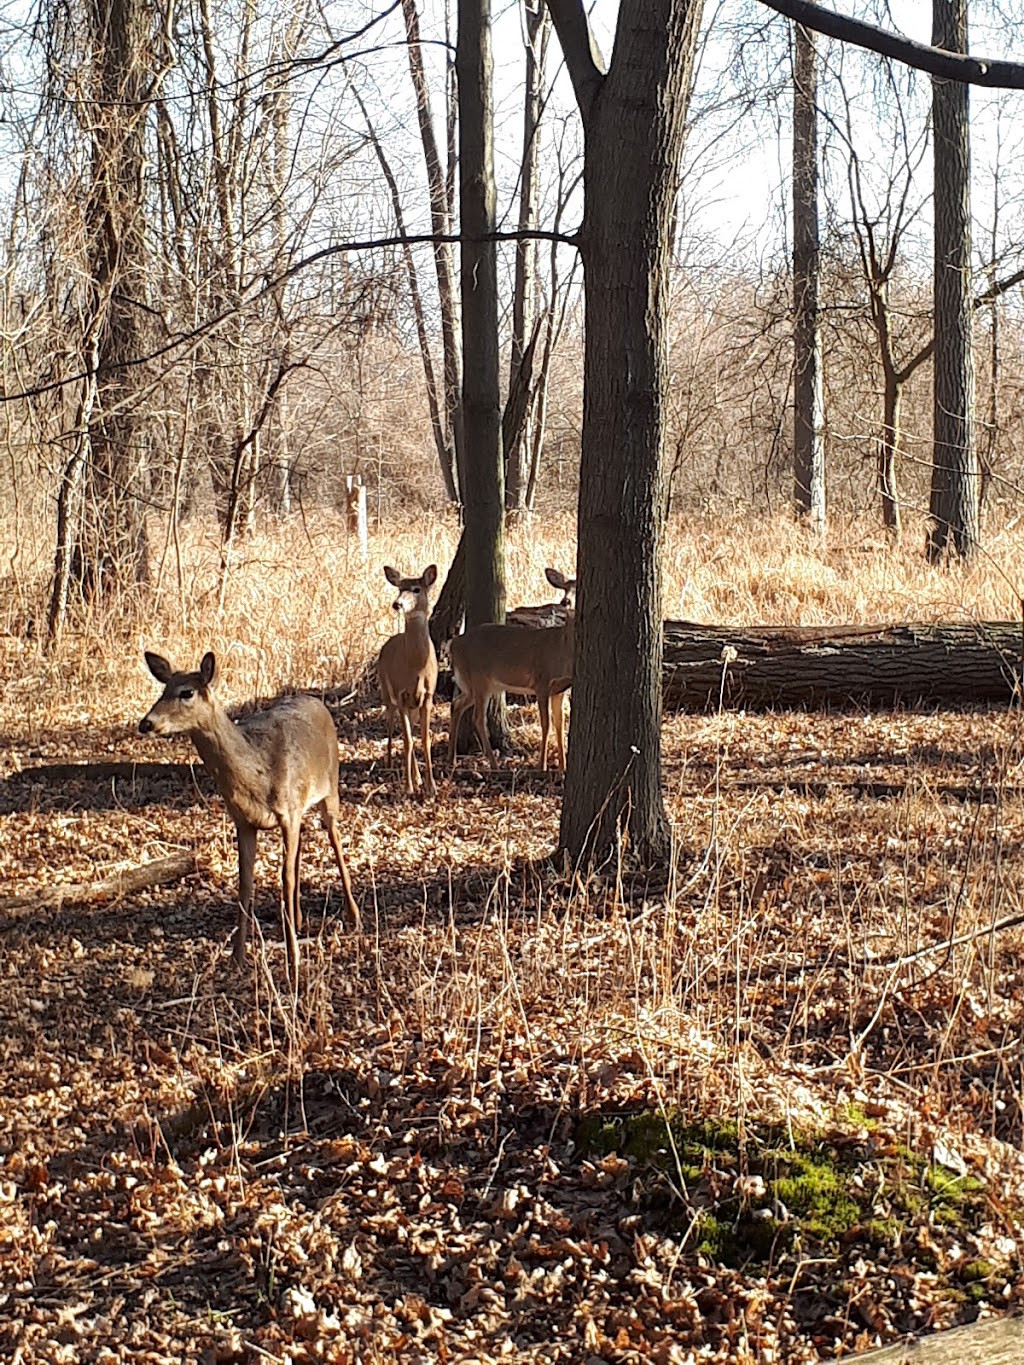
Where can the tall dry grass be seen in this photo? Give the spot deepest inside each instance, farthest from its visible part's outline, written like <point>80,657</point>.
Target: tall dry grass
<point>302,609</point>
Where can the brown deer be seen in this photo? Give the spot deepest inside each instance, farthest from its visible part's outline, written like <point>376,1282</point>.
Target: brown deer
<point>407,672</point>
<point>270,767</point>
<point>490,659</point>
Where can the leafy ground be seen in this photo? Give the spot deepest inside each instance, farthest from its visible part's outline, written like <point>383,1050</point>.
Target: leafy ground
<point>768,1109</point>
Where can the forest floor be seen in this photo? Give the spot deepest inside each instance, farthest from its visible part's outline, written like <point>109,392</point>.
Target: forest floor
<point>403,1163</point>
<point>767,1108</point>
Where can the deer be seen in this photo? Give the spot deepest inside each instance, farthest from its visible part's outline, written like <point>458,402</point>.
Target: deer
<point>407,672</point>
<point>270,767</point>
<point>491,659</point>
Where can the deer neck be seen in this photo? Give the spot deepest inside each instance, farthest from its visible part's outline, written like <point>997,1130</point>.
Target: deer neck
<point>417,637</point>
<point>232,761</point>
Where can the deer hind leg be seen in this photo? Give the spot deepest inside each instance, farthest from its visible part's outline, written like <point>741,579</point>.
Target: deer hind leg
<point>246,835</point>
<point>544,706</point>
<point>390,716</point>
<point>558,705</point>
<point>329,812</point>
<point>291,915</point>
<point>480,717</point>
<point>460,704</point>
<point>428,767</point>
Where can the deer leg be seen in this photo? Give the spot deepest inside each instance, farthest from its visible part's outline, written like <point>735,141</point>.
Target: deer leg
<point>291,829</point>
<point>460,704</point>
<point>480,716</point>
<point>544,706</point>
<point>391,728</point>
<point>428,766</point>
<point>246,835</point>
<point>330,819</point>
<point>412,772</point>
<point>558,704</point>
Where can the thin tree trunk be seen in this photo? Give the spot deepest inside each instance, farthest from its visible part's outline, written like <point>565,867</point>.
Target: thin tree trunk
<point>808,415</point>
<point>440,220</point>
<point>518,455</point>
<point>892,407</point>
<point>445,450</point>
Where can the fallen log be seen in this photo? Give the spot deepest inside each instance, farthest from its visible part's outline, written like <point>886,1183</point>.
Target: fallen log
<point>809,666</point>
<point>996,1341</point>
<point>123,883</point>
<point>812,666</point>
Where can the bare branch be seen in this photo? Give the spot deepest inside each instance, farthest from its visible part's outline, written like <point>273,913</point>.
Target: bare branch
<point>949,65</point>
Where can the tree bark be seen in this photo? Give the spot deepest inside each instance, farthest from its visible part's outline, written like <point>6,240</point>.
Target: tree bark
<point>634,122</point>
<point>111,551</point>
<point>483,490</point>
<point>841,665</point>
<point>954,492</point>
<point>808,402</point>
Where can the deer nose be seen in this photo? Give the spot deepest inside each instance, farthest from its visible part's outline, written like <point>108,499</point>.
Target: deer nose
<point>145,725</point>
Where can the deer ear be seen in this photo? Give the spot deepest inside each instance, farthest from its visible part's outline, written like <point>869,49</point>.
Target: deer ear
<point>393,576</point>
<point>556,579</point>
<point>207,668</point>
<point>430,575</point>
<point>159,667</point>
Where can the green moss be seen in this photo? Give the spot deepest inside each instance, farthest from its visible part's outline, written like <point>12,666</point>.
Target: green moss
<point>814,1189</point>
<point>977,1270</point>
<point>818,1194</point>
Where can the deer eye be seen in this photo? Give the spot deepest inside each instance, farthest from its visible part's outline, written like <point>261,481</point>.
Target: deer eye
<point>186,694</point>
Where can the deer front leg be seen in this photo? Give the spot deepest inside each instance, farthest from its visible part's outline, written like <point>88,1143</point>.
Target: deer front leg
<point>412,772</point>
<point>429,786</point>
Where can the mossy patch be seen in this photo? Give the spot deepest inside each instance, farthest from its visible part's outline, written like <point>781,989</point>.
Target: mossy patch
<point>748,1195</point>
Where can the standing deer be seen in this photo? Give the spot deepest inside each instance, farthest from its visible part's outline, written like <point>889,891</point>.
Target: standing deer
<point>270,768</point>
<point>407,672</point>
<point>491,659</point>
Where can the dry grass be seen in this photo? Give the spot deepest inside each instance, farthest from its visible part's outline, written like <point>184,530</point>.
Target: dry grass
<point>397,1143</point>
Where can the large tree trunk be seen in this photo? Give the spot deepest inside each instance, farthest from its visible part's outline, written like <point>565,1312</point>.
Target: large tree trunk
<point>111,551</point>
<point>483,491</point>
<point>634,121</point>
<point>840,665</point>
<point>954,492</point>
<point>808,402</point>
